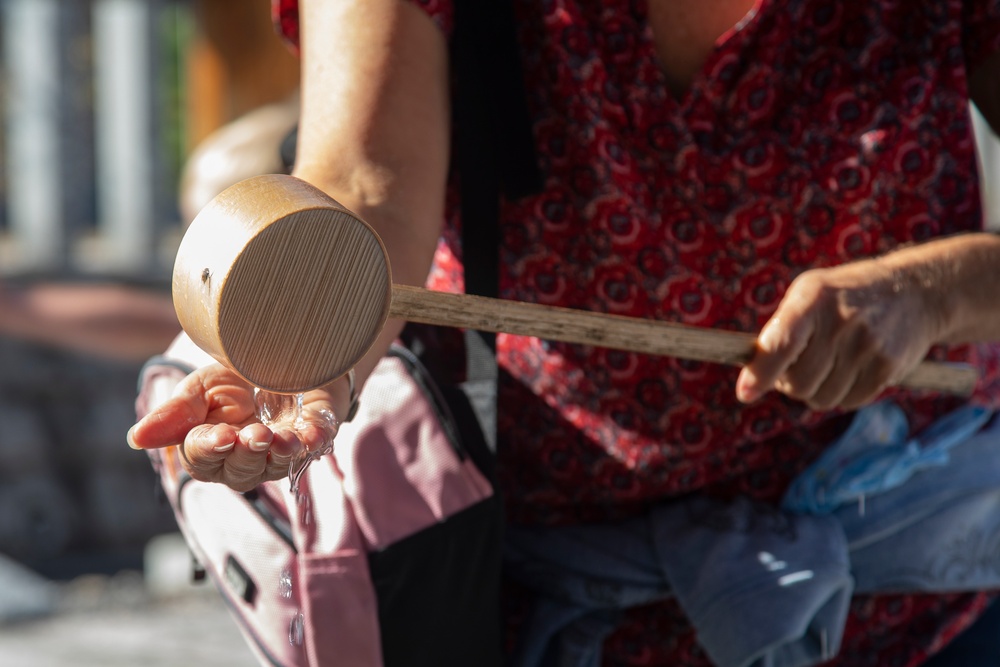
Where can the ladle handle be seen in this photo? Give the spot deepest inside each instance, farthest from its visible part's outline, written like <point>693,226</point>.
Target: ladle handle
<point>567,325</point>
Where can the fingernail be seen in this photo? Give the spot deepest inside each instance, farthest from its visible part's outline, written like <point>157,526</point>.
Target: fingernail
<point>224,448</point>
<point>258,445</point>
<point>746,388</point>
<point>130,441</point>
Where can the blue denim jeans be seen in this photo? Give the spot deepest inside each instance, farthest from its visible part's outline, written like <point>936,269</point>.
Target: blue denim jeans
<point>770,587</point>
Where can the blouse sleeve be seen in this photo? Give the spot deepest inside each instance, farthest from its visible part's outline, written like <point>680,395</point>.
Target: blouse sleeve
<point>285,14</point>
<point>981,30</point>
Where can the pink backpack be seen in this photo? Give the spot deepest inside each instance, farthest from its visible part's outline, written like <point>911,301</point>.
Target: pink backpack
<point>393,556</point>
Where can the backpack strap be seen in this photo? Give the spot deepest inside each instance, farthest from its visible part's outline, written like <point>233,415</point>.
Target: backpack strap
<point>494,154</point>
<point>494,146</point>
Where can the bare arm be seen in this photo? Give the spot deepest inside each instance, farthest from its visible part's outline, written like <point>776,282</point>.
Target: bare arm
<point>840,335</point>
<point>374,126</point>
<point>963,272</point>
<point>373,134</point>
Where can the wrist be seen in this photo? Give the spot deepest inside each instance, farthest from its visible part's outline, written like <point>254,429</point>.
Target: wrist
<point>918,272</point>
<point>344,396</point>
<point>955,278</point>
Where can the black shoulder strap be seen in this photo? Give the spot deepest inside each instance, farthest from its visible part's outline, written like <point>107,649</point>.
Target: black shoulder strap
<point>494,147</point>
<point>494,154</point>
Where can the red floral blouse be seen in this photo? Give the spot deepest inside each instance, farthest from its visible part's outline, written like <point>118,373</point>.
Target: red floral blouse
<point>816,133</point>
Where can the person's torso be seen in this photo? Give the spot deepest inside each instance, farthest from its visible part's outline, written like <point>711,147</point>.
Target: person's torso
<point>810,135</point>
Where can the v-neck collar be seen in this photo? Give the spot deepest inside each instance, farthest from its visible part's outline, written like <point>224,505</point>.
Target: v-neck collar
<point>728,43</point>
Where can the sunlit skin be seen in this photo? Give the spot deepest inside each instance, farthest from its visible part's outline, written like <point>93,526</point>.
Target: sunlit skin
<point>212,413</point>
<point>374,135</point>
<point>685,33</point>
<point>841,335</point>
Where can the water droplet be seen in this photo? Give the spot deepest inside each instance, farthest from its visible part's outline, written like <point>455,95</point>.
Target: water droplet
<point>273,408</point>
<point>296,630</point>
<point>305,507</point>
<point>285,584</point>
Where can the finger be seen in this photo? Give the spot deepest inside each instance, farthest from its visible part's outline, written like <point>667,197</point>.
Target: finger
<point>285,446</point>
<point>829,391</point>
<point>205,449</point>
<point>778,346</point>
<point>831,370</point>
<point>254,437</point>
<point>874,378</point>
<point>817,365</point>
<point>244,466</point>
<point>313,433</point>
<point>169,423</point>
<point>317,428</point>
<point>860,373</point>
<point>228,398</point>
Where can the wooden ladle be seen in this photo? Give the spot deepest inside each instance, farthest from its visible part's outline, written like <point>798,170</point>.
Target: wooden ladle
<point>289,289</point>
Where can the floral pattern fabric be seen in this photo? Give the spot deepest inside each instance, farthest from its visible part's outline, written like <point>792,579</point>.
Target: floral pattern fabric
<point>816,133</point>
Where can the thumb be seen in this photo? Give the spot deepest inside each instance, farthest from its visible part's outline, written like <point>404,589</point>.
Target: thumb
<point>168,423</point>
<point>779,345</point>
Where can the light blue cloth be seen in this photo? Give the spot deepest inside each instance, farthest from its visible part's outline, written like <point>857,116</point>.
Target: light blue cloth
<point>769,587</point>
<point>938,532</point>
<point>876,454</point>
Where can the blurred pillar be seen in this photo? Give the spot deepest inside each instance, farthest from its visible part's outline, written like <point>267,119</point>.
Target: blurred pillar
<point>34,191</point>
<point>76,126</point>
<point>124,42</point>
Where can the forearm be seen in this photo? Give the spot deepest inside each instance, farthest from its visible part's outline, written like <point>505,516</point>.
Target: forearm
<point>959,278</point>
<point>374,127</point>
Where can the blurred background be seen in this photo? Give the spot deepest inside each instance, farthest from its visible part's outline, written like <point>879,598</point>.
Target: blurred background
<point>120,119</point>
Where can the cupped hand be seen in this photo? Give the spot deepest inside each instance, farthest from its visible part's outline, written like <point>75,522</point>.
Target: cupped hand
<point>841,335</point>
<point>211,417</point>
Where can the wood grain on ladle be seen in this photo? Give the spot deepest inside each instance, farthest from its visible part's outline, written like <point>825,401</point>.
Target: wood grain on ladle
<point>289,289</point>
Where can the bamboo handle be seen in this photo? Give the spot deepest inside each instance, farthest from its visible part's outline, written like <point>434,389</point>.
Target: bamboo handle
<point>567,325</point>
